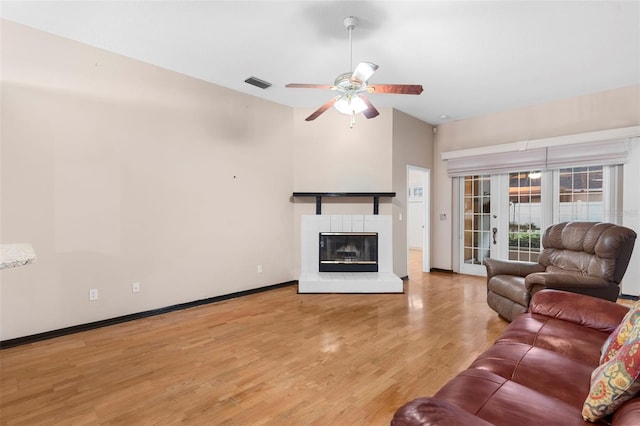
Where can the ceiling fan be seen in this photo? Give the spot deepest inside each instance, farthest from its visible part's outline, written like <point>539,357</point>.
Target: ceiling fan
<point>352,86</point>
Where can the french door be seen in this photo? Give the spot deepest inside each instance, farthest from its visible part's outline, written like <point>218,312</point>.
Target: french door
<point>503,215</point>
<point>502,218</point>
<point>480,222</point>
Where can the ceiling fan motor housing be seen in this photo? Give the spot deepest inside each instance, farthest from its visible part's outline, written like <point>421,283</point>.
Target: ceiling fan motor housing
<point>347,83</point>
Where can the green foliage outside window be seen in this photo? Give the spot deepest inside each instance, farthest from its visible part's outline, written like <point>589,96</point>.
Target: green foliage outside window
<point>525,235</point>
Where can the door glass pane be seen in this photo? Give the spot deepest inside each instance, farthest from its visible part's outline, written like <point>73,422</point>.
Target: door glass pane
<point>525,215</point>
<point>580,194</point>
<point>477,225</point>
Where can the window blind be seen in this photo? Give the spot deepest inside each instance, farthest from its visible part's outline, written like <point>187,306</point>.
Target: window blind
<point>543,154</point>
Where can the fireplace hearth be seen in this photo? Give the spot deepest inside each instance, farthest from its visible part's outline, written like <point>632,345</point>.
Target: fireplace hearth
<point>348,252</point>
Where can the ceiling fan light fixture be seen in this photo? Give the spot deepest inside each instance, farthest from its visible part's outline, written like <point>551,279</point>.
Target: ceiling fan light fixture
<point>353,85</point>
<point>350,105</point>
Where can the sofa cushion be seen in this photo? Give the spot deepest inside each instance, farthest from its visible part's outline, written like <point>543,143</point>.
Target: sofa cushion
<point>500,401</point>
<point>616,381</point>
<point>541,370</point>
<point>616,339</point>
<point>567,338</point>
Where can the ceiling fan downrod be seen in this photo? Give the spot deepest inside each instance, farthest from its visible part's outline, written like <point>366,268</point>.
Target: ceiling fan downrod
<point>350,22</point>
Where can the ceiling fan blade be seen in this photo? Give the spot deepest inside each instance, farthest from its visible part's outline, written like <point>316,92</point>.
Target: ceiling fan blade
<point>400,89</point>
<point>310,86</point>
<point>363,72</point>
<point>323,108</point>
<point>371,111</point>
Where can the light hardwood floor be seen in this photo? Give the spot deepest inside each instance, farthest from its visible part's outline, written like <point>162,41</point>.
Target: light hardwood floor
<point>273,358</point>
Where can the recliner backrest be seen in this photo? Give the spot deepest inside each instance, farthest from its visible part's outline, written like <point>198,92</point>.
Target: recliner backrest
<point>595,249</point>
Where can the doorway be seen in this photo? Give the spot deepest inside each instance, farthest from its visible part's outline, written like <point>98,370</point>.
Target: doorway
<point>418,217</point>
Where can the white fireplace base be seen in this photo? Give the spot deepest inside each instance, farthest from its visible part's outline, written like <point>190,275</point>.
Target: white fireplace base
<point>349,282</point>
<point>313,281</point>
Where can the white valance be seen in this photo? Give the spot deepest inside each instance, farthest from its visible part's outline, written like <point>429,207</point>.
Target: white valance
<point>607,147</point>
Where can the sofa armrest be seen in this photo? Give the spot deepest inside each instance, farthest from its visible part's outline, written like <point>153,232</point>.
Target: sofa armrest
<point>588,311</point>
<point>560,281</point>
<point>628,414</point>
<point>511,267</point>
<point>427,411</point>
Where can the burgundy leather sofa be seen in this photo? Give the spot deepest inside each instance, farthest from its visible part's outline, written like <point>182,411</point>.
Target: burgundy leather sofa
<point>538,371</point>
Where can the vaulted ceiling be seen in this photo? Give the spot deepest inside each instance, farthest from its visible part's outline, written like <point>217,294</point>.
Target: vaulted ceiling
<point>472,57</point>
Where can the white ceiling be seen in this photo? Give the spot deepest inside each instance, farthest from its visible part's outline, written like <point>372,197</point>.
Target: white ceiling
<point>472,57</point>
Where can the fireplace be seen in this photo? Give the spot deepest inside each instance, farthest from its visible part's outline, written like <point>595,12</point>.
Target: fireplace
<point>348,252</point>
<point>378,228</point>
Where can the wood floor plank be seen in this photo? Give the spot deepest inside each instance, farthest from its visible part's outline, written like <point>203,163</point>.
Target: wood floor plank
<point>276,357</point>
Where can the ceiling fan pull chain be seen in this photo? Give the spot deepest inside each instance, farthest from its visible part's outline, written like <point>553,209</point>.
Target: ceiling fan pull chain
<point>353,120</point>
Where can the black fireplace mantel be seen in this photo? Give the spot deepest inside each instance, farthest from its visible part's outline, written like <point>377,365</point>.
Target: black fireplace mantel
<point>318,196</point>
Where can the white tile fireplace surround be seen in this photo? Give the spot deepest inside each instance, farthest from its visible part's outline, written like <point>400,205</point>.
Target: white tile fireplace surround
<point>313,281</point>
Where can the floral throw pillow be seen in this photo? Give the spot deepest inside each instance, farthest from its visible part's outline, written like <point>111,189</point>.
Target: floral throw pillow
<point>616,339</point>
<point>616,381</point>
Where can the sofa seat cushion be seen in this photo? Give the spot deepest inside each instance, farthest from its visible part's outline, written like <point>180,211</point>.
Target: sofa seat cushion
<point>539,369</point>
<point>511,287</point>
<point>566,338</point>
<point>500,401</point>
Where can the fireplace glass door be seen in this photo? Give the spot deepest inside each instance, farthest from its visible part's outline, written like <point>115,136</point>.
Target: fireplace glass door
<point>348,252</point>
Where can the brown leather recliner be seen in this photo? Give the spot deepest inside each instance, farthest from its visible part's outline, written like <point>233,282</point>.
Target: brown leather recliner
<point>581,257</point>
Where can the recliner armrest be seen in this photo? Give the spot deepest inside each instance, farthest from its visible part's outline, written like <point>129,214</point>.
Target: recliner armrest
<point>511,267</point>
<point>588,311</point>
<point>560,281</point>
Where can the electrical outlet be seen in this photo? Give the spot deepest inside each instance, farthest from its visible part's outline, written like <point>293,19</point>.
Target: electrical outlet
<point>93,294</point>
<point>259,268</point>
<point>135,287</point>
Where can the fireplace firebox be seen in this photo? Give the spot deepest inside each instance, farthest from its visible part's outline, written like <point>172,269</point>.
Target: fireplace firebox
<point>348,252</point>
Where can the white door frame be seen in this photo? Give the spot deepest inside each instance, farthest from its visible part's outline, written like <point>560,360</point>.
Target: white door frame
<point>426,220</point>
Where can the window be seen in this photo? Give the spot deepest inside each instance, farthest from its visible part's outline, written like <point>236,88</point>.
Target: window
<point>525,215</point>
<point>505,214</point>
<point>580,194</point>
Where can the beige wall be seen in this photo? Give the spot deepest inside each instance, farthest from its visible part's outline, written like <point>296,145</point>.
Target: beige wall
<point>117,171</point>
<point>412,146</point>
<point>370,157</point>
<point>331,157</point>
<point>599,111</point>
<point>328,156</point>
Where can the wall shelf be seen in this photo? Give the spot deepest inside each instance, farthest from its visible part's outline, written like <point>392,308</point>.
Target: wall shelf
<point>318,196</point>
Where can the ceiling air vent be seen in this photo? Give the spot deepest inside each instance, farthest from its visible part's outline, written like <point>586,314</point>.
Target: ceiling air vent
<point>254,81</point>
